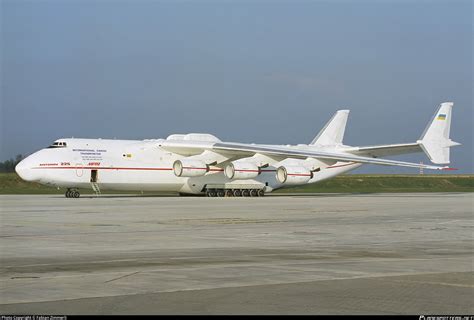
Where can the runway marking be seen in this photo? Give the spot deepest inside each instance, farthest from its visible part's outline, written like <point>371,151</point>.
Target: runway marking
<point>437,283</point>
<point>220,221</point>
<point>231,263</point>
<point>453,221</point>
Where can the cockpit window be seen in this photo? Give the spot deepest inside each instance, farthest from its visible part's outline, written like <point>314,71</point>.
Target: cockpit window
<point>58,144</point>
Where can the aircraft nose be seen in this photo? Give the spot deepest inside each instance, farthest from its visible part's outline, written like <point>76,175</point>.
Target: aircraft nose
<point>24,170</point>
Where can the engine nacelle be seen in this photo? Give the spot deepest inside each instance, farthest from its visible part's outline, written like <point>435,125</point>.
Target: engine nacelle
<point>293,175</point>
<point>241,170</point>
<point>189,168</point>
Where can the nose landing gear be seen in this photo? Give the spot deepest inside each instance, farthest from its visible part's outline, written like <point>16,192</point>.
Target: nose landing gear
<point>72,194</point>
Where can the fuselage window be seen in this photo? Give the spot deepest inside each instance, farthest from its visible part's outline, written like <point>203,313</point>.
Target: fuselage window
<point>58,145</point>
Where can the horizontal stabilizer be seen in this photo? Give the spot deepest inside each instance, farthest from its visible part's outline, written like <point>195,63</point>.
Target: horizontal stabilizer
<point>434,141</point>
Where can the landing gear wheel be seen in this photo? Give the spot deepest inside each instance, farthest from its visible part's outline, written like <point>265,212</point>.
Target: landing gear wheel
<point>253,193</point>
<point>245,193</point>
<point>237,193</point>
<point>68,194</point>
<point>261,193</point>
<point>76,194</point>
<point>220,193</point>
<point>211,193</point>
<point>229,193</point>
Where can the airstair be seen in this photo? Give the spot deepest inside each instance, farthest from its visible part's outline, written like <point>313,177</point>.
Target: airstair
<point>95,187</point>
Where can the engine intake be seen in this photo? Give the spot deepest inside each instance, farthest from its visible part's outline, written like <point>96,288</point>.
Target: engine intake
<point>241,170</point>
<point>293,175</point>
<point>189,168</point>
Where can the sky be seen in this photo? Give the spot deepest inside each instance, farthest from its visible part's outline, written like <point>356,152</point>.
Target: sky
<point>268,72</point>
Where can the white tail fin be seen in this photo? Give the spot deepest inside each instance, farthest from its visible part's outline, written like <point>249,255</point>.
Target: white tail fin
<point>333,131</point>
<point>435,140</point>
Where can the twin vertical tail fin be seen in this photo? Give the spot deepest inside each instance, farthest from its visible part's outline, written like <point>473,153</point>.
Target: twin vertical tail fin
<point>435,140</point>
<point>333,132</point>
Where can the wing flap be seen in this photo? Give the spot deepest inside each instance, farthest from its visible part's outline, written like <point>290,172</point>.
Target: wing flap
<point>385,150</point>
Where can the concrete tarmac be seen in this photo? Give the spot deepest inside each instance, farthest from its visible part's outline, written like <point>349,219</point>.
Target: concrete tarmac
<point>318,254</point>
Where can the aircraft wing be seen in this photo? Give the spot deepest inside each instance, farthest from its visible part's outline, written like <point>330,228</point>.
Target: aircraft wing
<point>240,150</point>
<point>385,150</point>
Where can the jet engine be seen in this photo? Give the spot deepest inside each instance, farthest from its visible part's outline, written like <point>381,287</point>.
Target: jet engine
<point>292,175</point>
<point>189,168</point>
<point>241,170</point>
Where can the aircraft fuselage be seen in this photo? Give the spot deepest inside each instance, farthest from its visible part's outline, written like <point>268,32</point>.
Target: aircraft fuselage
<point>137,165</point>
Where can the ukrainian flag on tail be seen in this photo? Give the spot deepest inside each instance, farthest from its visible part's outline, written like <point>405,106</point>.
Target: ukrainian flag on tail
<point>441,117</point>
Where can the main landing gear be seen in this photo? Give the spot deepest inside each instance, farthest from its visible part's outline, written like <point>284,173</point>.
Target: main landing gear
<point>235,193</point>
<point>72,193</point>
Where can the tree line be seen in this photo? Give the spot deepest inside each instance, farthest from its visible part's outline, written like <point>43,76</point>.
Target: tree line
<point>9,165</point>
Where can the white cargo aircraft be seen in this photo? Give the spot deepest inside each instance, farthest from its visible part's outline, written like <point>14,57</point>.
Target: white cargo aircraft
<point>198,163</point>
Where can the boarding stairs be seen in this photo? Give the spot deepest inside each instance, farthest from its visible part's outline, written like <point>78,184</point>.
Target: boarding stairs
<point>95,187</point>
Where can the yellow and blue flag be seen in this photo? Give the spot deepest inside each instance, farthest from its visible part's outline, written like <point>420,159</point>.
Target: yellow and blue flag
<point>441,117</point>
